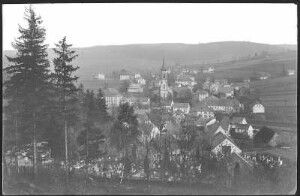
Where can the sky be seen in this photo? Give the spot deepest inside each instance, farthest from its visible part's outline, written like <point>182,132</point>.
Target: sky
<point>90,24</point>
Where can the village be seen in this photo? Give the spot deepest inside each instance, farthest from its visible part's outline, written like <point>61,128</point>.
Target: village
<point>190,123</point>
<point>121,106</point>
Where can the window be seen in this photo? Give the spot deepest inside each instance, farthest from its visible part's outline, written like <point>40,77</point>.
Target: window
<point>226,150</point>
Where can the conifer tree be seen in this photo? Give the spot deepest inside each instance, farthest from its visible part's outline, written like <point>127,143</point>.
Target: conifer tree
<point>94,127</point>
<point>65,88</point>
<point>27,88</point>
<point>101,106</point>
<point>125,128</point>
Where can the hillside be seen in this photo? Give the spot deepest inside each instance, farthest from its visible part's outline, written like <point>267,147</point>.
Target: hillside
<point>140,57</point>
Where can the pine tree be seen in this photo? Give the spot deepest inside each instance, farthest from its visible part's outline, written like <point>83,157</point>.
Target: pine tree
<point>101,106</point>
<point>27,88</point>
<point>65,88</point>
<point>94,128</point>
<point>125,128</point>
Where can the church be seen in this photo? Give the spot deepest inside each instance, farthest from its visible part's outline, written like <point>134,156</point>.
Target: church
<point>165,90</point>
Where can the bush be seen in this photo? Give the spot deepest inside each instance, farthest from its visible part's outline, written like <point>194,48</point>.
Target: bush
<point>263,136</point>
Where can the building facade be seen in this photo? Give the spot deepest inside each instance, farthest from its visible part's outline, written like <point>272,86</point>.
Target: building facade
<point>164,88</point>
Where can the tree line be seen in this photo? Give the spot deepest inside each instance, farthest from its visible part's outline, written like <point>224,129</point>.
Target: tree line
<point>44,105</point>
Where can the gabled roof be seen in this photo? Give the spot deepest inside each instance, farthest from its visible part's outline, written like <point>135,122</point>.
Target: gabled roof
<point>225,122</point>
<point>243,126</point>
<point>237,120</point>
<point>220,137</point>
<point>201,108</point>
<point>166,103</point>
<point>240,84</point>
<point>221,80</point>
<point>211,130</point>
<point>225,89</point>
<point>184,78</point>
<point>178,112</point>
<point>181,105</point>
<point>202,92</point>
<point>111,92</point>
<point>257,101</point>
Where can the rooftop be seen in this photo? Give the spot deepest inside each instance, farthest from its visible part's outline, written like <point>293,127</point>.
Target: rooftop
<point>181,105</point>
<point>237,120</point>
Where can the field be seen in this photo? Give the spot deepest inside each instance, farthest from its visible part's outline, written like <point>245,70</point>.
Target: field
<point>279,95</point>
<point>244,68</point>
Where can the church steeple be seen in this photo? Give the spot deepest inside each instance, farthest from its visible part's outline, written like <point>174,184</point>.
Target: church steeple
<point>163,67</point>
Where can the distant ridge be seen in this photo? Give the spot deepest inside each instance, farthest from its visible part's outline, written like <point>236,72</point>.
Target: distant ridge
<point>149,56</point>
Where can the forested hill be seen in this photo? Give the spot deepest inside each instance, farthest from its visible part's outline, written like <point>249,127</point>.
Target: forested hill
<point>149,56</point>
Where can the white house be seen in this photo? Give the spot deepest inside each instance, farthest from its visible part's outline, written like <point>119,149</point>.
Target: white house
<point>202,95</point>
<point>124,77</point>
<point>222,143</point>
<point>291,72</point>
<point>135,88</point>
<point>137,75</point>
<point>141,81</point>
<point>209,70</point>
<point>257,108</point>
<point>184,107</point>
<point>112,97</point>
<point>246,129</point>
<point>100,76</point>
<point>237,120</point>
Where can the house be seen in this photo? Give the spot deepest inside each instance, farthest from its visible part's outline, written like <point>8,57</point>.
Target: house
<point>203,111</point>
<point>201,122</point>
<point>141,104</point>
<point>227,90</point>
<point>221,81</point>
<point>124,75</point>
<point>141,81</point>
<point>224,144</point>
<point>208,70</point>
<point>100,76</point>
<point>202,95</point>
<point>213,88</point>
<point>247,80</point>
<point>185,80</point>
<point>206,85</point>
<point>112,97</point>
<point>222,105</point>
<point>237,120</point>
<point>290,72</point>
<point>239,85</point>
<point>137,75</point>
<point>224,126</point>
<point>184,107</point>
<point>166,106</point>
<point>263,76</point>
<point>135,88</point>
<point>244,129</point>
<point>257,107</point>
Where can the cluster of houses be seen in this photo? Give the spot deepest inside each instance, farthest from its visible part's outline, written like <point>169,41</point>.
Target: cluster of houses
<point>216,98</point>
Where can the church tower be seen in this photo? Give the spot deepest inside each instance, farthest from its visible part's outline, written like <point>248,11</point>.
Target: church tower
<point>164,81</point>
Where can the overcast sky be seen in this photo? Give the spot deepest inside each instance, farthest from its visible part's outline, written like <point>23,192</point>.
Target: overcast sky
<point>110,24</point>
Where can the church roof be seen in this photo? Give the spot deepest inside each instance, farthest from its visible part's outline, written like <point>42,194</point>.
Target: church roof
<point>163,67</point>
